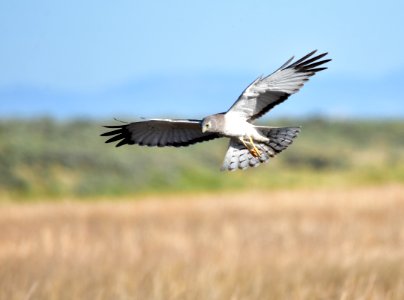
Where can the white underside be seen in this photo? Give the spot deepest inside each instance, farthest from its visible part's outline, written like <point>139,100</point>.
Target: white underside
<point>238,127</point>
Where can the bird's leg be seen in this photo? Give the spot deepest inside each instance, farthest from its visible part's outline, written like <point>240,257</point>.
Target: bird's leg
<point>251,147</point>
<point>254,151</point>
<point>244,143</point>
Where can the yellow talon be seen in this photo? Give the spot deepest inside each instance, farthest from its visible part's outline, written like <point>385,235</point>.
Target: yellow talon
<point>251,147</point>
<point>255,152</point>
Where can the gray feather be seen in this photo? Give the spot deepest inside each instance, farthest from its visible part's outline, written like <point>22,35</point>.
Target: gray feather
<point>159,132</point>
<point>266,92</point>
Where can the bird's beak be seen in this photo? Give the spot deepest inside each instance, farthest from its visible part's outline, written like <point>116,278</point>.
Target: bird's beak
<point>203,129</point>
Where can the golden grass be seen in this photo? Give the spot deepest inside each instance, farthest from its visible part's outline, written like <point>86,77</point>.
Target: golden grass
<point>306,244</point>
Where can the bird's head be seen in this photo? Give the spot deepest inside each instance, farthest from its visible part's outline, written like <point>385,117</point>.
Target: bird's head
<point>207,124</point>
<point>211,123</point>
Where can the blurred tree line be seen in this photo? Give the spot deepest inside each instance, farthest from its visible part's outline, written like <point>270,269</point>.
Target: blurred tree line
<point>48,158</point>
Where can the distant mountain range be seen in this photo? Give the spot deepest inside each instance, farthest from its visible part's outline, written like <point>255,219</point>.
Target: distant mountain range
<point>196,95</point>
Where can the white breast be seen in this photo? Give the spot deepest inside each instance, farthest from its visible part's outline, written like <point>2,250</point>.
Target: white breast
<point>237,127</point>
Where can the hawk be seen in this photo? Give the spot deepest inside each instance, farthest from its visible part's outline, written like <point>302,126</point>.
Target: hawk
<point>250,145</point>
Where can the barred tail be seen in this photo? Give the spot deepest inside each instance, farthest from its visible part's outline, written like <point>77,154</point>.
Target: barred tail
<point>239,157</point>
<point>280,138</point>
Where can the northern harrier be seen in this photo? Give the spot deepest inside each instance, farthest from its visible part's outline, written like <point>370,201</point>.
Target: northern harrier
<point>249,145</point>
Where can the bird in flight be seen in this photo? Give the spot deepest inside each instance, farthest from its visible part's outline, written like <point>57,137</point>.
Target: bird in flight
<point>250,145</point>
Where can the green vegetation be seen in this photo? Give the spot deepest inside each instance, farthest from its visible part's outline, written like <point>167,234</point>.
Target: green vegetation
<point>48,158</point>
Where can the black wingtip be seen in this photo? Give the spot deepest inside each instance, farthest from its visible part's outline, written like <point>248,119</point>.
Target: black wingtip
<point>301,60</point>
<point>121,143</point>
<point>315,70</point>
<point>113,132</point>
<point>116,134</point>
<point>309,64</point>
<point>117,137</point>
<point>113,126</point>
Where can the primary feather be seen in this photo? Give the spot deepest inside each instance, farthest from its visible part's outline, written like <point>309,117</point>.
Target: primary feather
<point>266,92</point>
<point>159,132</point>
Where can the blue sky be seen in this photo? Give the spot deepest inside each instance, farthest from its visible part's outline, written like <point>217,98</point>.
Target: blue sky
<point>190,58</point>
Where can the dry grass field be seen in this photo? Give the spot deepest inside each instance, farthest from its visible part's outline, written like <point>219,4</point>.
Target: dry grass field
<point>301,244</point>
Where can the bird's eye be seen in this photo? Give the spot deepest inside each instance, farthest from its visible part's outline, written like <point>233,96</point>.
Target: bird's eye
<point>207,125</point>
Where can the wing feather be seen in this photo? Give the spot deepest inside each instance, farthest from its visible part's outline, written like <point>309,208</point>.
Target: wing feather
<point>266,92</point>
<point>159,132</point>
<point>163,138</point>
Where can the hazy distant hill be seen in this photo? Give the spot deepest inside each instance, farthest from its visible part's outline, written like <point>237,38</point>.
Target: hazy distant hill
<point>204,93</point>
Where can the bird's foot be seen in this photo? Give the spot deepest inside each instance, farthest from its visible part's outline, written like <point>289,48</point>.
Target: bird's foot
<point>251,147</point>
<point>254,150</point>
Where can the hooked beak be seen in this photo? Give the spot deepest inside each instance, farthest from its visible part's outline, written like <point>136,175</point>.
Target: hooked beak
<point>203,129</point>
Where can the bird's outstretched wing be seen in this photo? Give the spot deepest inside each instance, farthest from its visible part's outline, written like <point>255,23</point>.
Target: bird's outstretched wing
<point>159,132</point>
<point>266,92</point>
